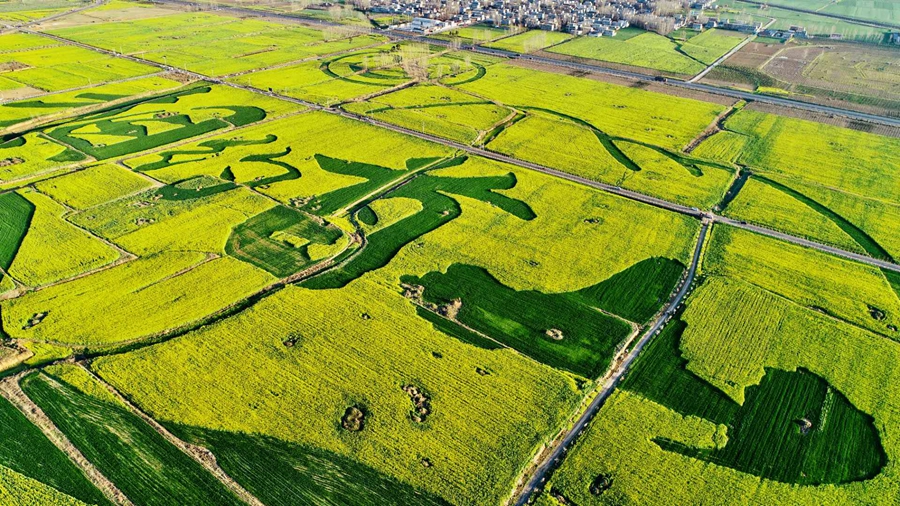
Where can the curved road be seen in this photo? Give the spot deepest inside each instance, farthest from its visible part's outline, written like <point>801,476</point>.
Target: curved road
<point>612,380</point>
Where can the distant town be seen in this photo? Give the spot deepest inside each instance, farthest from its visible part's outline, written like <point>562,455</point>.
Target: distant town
<point>593,18</point>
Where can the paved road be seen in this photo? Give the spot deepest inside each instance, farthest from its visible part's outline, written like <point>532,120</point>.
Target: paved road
<point>612,380</point>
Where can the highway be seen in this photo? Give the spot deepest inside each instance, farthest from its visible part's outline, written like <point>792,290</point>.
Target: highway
<point>612,379</point>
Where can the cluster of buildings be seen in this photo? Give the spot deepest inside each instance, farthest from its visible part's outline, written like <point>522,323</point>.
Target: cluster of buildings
<point>580,17</point>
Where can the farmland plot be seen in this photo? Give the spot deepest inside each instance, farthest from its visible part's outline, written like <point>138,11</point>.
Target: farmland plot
<point>215,45</point>
<point>72,102</point>
<point>566,215</point>
<point>820,213</point>
<point>170,118</point>
<point>529,42</point>
<point>376,341</point>
<point>629,113</point>
<point>62,67</point>
<point>93,186</point>
<point>143,465</point>
<point>799,377</point>
<point>26,451</point>
<point>280,240</point>
<point>845,159</point>
<point>477,34</point>
<point>196,215</point>
<point>435,110</point>
<point>563,144</point>
<point>564,330</point>
<point>32,155</point>
<point>299,158</point>
<point>54,249</point>
<point>637,48</point>
<point>134,300</point>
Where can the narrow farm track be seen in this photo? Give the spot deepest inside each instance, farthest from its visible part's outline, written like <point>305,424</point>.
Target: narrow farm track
<point>11,391</point>
<point>201,455</point>
<point>622,192</point>
<point>611,380</point>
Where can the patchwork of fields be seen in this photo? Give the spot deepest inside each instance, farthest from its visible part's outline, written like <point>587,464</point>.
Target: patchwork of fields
<point>346,269</point>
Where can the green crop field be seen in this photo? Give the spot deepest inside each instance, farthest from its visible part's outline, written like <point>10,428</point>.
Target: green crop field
<point>142,464</point>
<point>476,34</point>
<point>816,25</point>
<point>170,118</point>
<point>582,339</point>
<point>340,265</point>
<point>215,45</point>
<point>529,42</point>
<point>644,50</point>
<point>28,452</point>
<point>59,104</point>
<point>435,110</point>
<point>278,240</point>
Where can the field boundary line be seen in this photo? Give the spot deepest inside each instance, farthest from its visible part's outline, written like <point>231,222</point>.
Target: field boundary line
<point>12,391</point>
<point>199,454</point>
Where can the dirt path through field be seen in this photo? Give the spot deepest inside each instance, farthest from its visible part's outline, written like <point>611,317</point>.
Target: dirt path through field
<point>11,391</point>
<point>201,455</point>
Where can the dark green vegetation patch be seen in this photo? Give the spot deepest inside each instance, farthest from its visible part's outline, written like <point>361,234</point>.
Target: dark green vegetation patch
<point>25,449</point>
<point>277,240</point>
<point>280,473</point>
<point>563,330</point>
<point>793,427</point>
<point>437,209</point>
<point>15,217</point>
<point>128,451</point>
